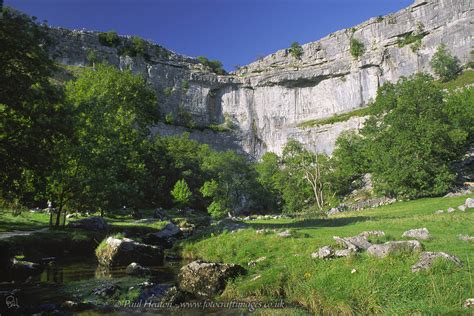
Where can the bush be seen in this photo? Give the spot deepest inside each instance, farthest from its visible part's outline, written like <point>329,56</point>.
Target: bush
<point>356,48</point>
<point>181,193</point>
<point>215,65</point>
<point>296,50</point>
<point>168,91</point>
<point>109,38</point>
<point>444,65</point>
<point>169,118</point>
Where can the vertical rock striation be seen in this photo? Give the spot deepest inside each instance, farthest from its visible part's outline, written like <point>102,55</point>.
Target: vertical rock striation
<point>265,101</point>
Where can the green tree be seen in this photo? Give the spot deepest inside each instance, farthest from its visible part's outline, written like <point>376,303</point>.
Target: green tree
<point>232,187</point>
<point>33,116</point>
<point>445,65</point>
<point>269,175</point>
<point>411,141</point>
<point>306,178</point>
<point>296,50</point>
<point>104,162</point>
<point>181,193</point>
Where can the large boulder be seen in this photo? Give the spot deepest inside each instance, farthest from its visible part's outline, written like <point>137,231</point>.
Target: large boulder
<point>418,233</point>
<point>394,248</point>
<point>207,279</point>
<point>91,223</point>
<point>427,259</point>
<point>165,237</point>
<point>123,251</point>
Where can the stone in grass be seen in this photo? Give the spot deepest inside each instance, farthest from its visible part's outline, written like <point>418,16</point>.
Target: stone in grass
<point>136,269</point>
<point>469,303</point>
<point>394,248</point>
<point>450,210</point>
<point>462,208</point>
<point>285,234</point>
<point>325,252</point>
<point>207,279</point>
<point>253,263</point>
<point>372,233</point>
<point>439,212</point>
<point>427,259</point>
<point>466,238</point>
<point>355,243</point>
<point>418,233</point>
<point>469,203</point>
<point>344,253</point>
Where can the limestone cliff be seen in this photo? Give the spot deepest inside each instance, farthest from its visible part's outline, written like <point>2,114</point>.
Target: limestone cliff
<point>265,101</point>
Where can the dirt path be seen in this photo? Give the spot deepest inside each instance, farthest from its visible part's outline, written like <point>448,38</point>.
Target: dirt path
<point>14,233</point>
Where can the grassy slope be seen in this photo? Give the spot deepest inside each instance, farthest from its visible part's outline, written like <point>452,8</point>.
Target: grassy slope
<point>379,286</point>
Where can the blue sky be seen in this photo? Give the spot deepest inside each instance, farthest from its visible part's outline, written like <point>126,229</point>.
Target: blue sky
<point>234,31</point>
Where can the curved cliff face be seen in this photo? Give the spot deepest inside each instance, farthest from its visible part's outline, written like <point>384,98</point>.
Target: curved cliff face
<point>267,99</point>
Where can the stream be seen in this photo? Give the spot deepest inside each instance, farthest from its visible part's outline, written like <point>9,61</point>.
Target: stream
<point>75,278</point>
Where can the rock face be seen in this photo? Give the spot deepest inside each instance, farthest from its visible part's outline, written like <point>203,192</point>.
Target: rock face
<point>122,252</point>
<point>418,233</point>
<point>325,252</point>
<point>206,279</point>
<point>394,248</point>
<point>90,223</point>
<point>428,258</point>
<point>265,101</point>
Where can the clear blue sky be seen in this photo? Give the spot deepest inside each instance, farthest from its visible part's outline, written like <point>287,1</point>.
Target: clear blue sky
<point>233,31</point>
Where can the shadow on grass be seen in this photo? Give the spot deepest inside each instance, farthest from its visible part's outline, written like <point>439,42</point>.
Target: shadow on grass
<point>312,223</point>
<point>12,226</point>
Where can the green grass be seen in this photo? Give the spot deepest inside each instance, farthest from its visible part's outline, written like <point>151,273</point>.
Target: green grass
<point>25,221</point>
<point>464,79</point>
<point>380,286</point>
<point>336,118</point>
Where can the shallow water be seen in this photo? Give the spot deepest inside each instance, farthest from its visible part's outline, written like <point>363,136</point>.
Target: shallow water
<point>45,291</point>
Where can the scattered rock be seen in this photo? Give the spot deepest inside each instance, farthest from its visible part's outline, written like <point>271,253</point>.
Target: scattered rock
<point>355,243</point>
<point>418,233</point>
<point>206,279</point>
<point>160,214</point>
<point>285,234</point>
<point>372,233</point>
<point>23,269</point>
<point>105,289</point>
<point>394,248</point>
<point>344,253</point>
<point>90,223</point>
<point>353,271</point>
<point>174,296</point>
<point>462,208</point>
<point>253,263</point>
<point>469,203</point>
<point>450,210</point>
<point>121,252</point>
<point>466,237</point>
<point>325,252</point>
<point>136,269</point>
<point>427,259</point>
<point>230,224</point>
<point>258,276</point>
<point>439,212</point>
<point>469,303</point>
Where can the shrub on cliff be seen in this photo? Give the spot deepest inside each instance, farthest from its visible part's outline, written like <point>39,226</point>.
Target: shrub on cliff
<point>109,38</point>
<point>445,65</point>
<point>296,50</point>
<point>356,48</point>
